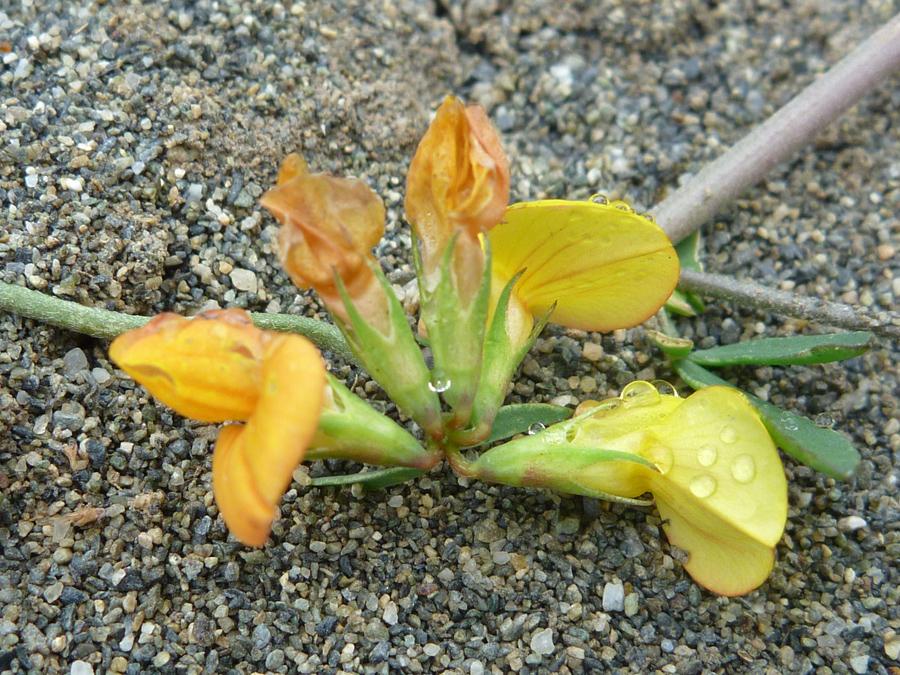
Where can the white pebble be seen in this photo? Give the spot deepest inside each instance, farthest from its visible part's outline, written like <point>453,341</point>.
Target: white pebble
<point>542,642</point>
<point>613,597</point>
<point>244,280</point>
<point>390,616</point>
<point>851,524</point>
<point>81,668</point>
<point>476,668</point>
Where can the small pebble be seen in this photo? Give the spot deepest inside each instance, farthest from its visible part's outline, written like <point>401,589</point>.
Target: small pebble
<point>542,642</point>
<point>613,597</point>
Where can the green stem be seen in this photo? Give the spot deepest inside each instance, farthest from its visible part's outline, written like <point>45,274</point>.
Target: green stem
<point>105,324</point>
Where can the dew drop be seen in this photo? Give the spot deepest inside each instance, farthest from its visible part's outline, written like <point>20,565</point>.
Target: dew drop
<point>707,455</point>
<point>789,422</point>
<point>536,428</point>
<point>703,485</point>
<point>662,457</point>
<point>600,198</point>
<point>640,393</point>
<point>665,388</point>
<point>439,383</point>
<point>824,420</point>
<point>743,469</point>
<point>729,434</point>
<point>649,216</point>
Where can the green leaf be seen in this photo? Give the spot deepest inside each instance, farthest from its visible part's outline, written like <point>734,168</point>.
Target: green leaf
<point>370,480</point>
<point>676,348</point>
<point>519,418</point>
<point>819,448</point>
<point>801,350</point>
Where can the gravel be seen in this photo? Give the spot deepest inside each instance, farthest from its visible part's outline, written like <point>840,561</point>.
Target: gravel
<point>137,138</point>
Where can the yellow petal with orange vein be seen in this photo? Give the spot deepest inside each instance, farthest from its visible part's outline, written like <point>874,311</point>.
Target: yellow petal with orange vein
<point>208,368</point>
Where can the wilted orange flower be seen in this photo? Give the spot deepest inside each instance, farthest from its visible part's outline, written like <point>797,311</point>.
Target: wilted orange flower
<point>219,367</point>
<point>458,180</point>
<point>329,227</point>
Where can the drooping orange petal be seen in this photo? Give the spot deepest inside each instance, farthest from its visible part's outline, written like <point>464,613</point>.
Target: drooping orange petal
<point>606,268</point>
<point>208,368</point>
<point>253,467</point>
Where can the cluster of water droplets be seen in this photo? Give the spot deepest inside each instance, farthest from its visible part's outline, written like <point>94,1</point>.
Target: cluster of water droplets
<point>742,467</point>
<point>600,198</point>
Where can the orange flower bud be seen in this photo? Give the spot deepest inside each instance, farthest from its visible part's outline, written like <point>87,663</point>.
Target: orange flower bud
<point>329,226</point>
<point>458,179</point>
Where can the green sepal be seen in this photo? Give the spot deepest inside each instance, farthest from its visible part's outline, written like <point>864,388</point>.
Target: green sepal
<point>801,350</point>
<point>349,428</point>
<point>545,460</point>
<point>520,417</point>
<point>819,448</point>
<point>370,480</point>
<point>501,360</point>
<point>395,360</point>
<point>673,347</point>
<point>455,332</point>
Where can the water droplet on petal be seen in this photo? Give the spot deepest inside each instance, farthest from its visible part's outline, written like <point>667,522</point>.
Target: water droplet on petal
<point>707,455</point>
<point>536,428</point>
<point>439,383</point>
<point>665,388</point>
<point>649,216</point>
<point>824,420</point>
<point>662,457</point>
<point>640,393</point>
<point>600,198</point>
<point>703,485</point>
<point>729,434</point>
<point>743,469</point>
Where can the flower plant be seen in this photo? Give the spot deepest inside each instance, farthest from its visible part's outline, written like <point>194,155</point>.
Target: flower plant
<point>490,277</point>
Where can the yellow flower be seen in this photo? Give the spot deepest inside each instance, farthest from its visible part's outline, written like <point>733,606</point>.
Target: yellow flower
<point>329,227</point>
<point>709,462</point>
<point>719,485</point>
<point>219,367</point>
<point>604,266</point>
<point>458,184</point>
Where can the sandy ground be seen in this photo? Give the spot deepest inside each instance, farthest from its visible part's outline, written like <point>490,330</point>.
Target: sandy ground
<point>136,139</point>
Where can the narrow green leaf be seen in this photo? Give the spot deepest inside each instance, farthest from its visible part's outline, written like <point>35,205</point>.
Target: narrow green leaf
<point>677,348</point>
<point>519,418</point>
<point>801,350</point>
<point>688,250</point>
<point>370,480</point>
<point>819,448</point>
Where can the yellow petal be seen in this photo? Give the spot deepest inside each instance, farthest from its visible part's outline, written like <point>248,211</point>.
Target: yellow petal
<point>724,493</point>
<point>207,368</point>
<point>246,513</point>
<point>605,267</point>
<point>251,470</point>
<point>721,557</point>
